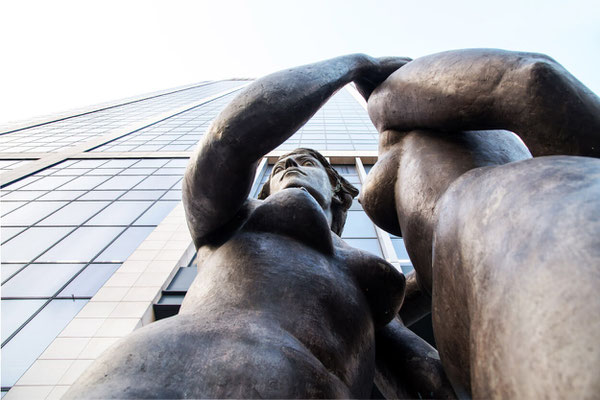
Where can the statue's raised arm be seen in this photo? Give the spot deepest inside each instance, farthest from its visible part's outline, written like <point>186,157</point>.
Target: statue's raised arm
<point>262,117</point>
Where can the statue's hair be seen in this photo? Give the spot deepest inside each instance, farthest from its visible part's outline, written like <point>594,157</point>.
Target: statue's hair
<point>343,191</point>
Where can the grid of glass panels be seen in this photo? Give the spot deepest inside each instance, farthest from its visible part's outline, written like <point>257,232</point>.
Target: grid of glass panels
<point>65,230</point>
<point>179,133</point>
<point>70,132</point>
<point>341,124</point>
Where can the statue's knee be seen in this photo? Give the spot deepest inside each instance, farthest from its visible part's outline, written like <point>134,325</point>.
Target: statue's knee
<point>540,73</point>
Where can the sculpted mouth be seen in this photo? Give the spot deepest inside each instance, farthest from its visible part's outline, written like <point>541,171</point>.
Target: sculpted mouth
<point>290,170</point>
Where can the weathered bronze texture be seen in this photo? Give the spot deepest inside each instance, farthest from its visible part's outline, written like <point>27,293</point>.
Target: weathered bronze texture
<point>281,306</point>
<point>508,246</point>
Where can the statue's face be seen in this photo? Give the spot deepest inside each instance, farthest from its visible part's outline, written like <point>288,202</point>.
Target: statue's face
<point>302,170</point>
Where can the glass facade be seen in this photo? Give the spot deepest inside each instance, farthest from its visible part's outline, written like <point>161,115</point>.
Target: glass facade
<point>66,229</point>
<point>69,132</point>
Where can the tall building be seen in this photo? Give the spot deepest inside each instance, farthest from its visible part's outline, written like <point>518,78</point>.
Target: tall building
<point>94,240</point>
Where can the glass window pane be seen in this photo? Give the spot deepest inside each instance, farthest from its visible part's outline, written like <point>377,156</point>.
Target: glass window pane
<point>120,213</point>
<point>122,182</point>
<point>356,205</point>
<point>143,195</point>
<point>171,171</point>
<point>82,245</point>
<point>358,225</point>
<point>15,312</point>
<point>401,252</point>
<point>8,206</point>
<point>102,171</point>
<point>119,163</point>
<point>88,164</point>
<point>103,195</point>
<point>84,183</point>
<point>138,171</point>
<point>122,248</point>
<point>23,195</point>
<point>158,182</point>
<point>48,183</point>
<point>75,213</point>
<point>31,213</point>
<point>40,280</point>
<point>32,340</point>
<point>407,268</point>
<point>9,269</point>
<point>89,280</point>
<point>70,172</point>
<point>172,195</point>
<point>23,182</point>
<point>62,195</point>
<point>178,162</point>
<point>8,233</point>
<point>156,213</point>
<point>183,279</point>
<point>150,163</point>
<point>171,299</point>
<point>370,245</point>
<point>29,244</point>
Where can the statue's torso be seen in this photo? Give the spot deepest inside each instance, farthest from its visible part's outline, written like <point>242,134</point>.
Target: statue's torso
<point>283,266</point>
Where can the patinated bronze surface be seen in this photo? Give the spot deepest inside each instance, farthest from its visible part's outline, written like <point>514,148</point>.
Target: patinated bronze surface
<point>508,246</point>
<point>281,307</point>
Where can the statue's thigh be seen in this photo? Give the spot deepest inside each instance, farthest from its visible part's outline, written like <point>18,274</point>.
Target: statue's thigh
<point>516,277</point>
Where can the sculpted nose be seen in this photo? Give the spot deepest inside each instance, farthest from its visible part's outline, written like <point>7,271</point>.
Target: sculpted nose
<point>290,163</point>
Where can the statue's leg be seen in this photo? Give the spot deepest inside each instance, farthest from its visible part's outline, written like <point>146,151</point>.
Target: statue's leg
<point>530,94</point>
<point>517,273</point>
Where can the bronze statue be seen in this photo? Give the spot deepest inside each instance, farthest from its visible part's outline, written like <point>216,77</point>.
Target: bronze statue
<point>507,247</point>
<point>281,307</point>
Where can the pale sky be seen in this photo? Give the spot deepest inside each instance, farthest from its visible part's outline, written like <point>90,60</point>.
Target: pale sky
<point>58,55</point>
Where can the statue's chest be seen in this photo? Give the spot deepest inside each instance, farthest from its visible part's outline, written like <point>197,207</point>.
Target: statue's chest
<point>295,214</point>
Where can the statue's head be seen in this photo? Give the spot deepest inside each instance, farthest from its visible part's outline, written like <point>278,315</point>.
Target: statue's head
<point>307,168</point>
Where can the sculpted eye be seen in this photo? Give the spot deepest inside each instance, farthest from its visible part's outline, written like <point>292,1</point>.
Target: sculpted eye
<point>308,162</point>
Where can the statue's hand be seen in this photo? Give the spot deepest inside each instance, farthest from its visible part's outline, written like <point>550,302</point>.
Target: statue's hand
<point>377,71</point>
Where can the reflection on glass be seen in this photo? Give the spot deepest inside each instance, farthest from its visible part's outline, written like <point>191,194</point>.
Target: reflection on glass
<point>401,252</point>
<point>40,280</point>
<point>9,269</point>
<point>370,245</point>
<point>156,213</point>
<point>32,340</point>
<point>31,213</point>
<point>120,213</point>
<point>358,225</point>
<point>29,244</point>
<point>87,283</point>
<point>158,182</point>
<point>102,195</point>
<point>82,245</point>
<point>8,206</point>
<point>48,183</point>
<point>9,233</point>
<point>121,182</point>
<point>143,195</point>
<point>84,183</point>
<point>122,248</point>
<point>75,213</point>
<point>15,312</point>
